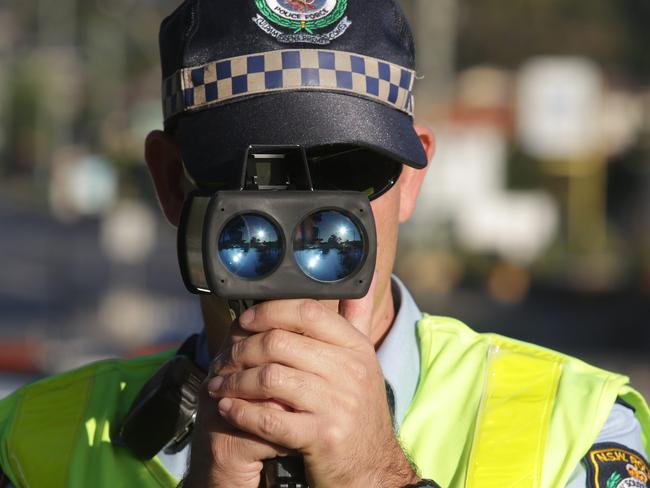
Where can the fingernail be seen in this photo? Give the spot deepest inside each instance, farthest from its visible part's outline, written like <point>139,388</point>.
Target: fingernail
<point>225,405</point>
<point>215,384</point>
<point>247,317</point>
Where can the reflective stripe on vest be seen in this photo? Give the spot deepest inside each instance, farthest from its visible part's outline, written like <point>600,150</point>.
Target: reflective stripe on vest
<point>517,402</point>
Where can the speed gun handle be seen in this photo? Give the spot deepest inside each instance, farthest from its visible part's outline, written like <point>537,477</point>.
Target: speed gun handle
<point>285,472</point>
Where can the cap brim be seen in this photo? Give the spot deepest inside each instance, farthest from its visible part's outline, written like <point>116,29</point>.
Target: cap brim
<point>214,141</point>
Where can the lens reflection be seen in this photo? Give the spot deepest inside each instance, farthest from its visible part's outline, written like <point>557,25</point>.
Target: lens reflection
<point>328,246</point>
<point>250,247</point>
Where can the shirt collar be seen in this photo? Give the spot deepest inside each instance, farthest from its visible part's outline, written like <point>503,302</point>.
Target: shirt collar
<point>399,354</point>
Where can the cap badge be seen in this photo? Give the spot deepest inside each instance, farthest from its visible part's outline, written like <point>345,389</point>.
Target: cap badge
<point>308,21</point>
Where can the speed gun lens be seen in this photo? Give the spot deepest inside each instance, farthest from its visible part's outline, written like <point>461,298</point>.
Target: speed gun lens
<point>328,246</point>
<point>250,246</point>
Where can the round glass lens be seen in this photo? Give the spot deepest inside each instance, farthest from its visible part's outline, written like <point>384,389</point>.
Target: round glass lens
<point>250,246</point>
<point>328,246</point>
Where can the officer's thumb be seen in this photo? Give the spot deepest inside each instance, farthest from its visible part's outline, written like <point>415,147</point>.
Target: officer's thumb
<point>359,312</point>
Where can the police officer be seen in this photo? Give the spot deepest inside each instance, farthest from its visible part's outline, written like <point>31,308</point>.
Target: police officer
<point>308,377</point>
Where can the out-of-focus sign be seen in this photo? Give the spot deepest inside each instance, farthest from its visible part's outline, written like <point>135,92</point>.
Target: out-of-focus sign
<point>559,107</point>
<point>518,226</point>
<point>466,187</point>
<point>128,234</point>
<point>469,165</point>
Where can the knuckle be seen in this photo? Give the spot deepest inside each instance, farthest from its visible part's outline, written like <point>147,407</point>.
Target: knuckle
<point>349,403</point>
<point>333,436</point>
<point>230,383</point>
<point>300,384</point>
<point>238,414</point>
<point>270,377</point>
<point>274,342</point>
<point>236,352</point>
<point>223,450</point>
<point>311,311</point>
<point>219,454</point>
<point>359,370</point>
<point>270,423</point>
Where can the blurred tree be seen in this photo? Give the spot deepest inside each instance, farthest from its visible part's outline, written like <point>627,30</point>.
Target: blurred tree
<point>108,51</point>
<point>21,109</point>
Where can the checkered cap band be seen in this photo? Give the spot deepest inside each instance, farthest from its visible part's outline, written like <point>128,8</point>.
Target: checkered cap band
<point>288,70</point>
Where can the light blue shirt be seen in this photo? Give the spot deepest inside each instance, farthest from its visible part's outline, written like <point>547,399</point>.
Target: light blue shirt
<point>399,357</point>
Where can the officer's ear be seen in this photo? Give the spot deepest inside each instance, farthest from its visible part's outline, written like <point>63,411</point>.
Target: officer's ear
<point>163,158</point>
<point>411,179</point>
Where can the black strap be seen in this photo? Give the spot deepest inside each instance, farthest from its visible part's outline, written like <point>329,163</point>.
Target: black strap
<point>623,403</point>
<point>162,415</point>
<point>424,484</point>
<point>390,396</point>
<point>4,481</point>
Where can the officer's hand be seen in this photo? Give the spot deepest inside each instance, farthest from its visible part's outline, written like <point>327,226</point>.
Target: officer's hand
<point>323,366</point>
<point>222,456</point>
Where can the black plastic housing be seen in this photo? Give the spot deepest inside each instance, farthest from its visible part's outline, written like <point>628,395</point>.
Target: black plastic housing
<point>207,216</point>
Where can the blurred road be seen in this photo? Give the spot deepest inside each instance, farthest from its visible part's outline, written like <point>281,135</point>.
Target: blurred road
<point>56,283</point>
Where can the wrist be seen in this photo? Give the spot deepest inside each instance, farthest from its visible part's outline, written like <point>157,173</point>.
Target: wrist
<point>397,472</point>
<point>248,476</point>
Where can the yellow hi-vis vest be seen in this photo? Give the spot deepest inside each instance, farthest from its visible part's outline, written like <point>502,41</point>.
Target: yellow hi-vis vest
<point>488,412</point>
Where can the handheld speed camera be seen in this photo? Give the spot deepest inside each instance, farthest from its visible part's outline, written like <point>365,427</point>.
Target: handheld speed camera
<point>276,237</point>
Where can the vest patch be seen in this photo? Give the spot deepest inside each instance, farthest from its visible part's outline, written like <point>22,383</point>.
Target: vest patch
<point>611,465</point>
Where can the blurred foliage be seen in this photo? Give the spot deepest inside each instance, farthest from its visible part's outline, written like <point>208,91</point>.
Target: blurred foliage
<point>78,73</point>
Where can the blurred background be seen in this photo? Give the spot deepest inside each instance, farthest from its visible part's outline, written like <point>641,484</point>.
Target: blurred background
<point>534,219</point>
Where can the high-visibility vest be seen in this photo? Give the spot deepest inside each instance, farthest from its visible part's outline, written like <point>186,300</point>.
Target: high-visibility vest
<point>493,412</point>
<point>488,411</point>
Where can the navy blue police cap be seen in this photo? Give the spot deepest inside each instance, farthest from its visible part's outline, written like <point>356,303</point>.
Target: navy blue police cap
<point>316,73</point>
